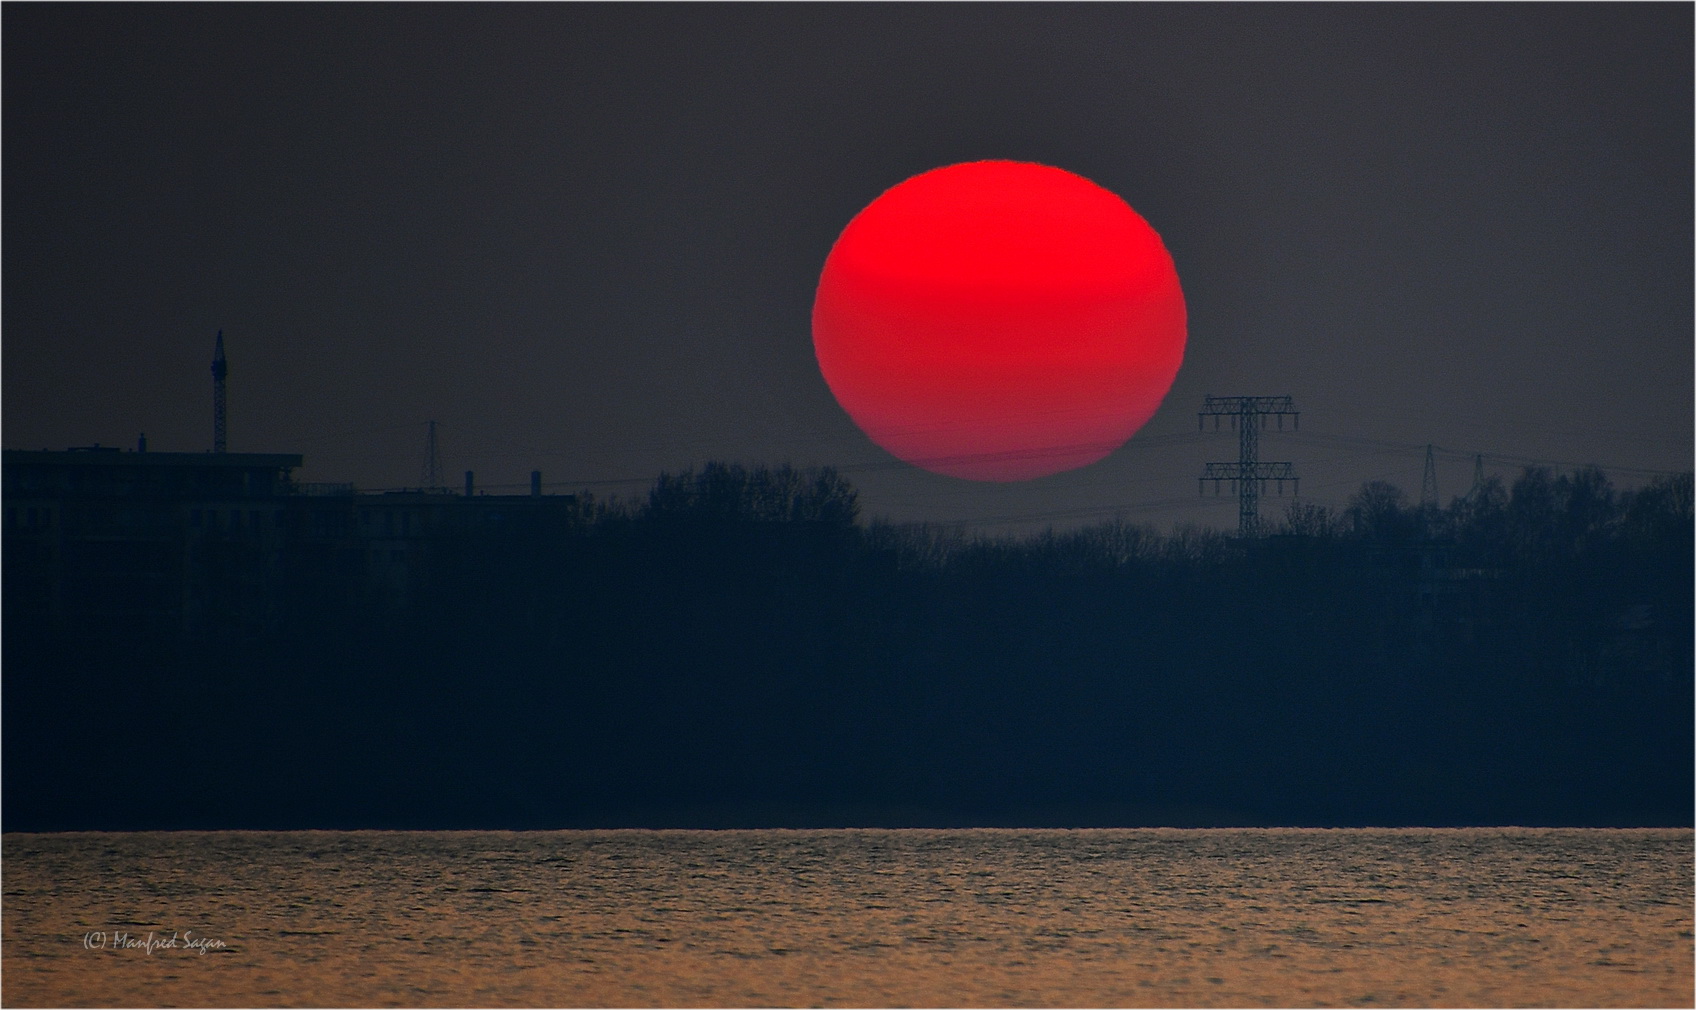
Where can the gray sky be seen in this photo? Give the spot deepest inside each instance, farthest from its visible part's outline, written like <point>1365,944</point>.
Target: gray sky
<point>585,239</point>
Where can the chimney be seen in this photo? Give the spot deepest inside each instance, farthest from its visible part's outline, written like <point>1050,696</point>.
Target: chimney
<point>141,443</point>
<point>468,482</point>
<point>535,483</point>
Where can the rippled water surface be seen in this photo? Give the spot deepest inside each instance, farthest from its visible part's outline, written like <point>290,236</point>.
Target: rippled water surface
<point>1297,917</point>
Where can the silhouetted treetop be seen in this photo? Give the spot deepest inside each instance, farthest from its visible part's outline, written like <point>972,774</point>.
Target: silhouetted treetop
<point>730,491</point>
<point>1378,511</point>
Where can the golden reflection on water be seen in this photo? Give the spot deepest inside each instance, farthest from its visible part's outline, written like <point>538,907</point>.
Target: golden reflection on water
<point>1282,917</point>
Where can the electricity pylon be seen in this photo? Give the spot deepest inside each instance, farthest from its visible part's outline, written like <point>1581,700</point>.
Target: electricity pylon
<point>1248,475</point>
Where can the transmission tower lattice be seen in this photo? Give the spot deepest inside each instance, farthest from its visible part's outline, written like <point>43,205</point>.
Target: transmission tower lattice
<point>1248,476</point>
<point>220,369</point>
<point>432,475</point>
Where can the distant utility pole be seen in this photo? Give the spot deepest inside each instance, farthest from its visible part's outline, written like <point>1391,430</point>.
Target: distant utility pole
<point>220,369</point>
<point>1477,477</point>
<point>432,476</point>
<point>1428,484</point>
<point>1248,475</point>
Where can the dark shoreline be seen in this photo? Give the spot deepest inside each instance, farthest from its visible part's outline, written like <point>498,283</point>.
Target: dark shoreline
<point>1520,659</point>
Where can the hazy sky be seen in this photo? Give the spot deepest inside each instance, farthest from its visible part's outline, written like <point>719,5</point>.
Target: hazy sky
<point>585,239</point>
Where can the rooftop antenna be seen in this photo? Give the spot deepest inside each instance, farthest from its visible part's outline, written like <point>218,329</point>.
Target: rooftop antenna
<point>220,369</point>
<point>432,476</point>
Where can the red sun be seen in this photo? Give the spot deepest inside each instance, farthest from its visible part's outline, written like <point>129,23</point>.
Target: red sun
<point>999,320</point>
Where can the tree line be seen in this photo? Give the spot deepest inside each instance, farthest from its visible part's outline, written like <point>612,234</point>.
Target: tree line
<point>743,647</point>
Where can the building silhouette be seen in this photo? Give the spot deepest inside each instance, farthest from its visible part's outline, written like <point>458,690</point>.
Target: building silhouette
<point>222,542</point>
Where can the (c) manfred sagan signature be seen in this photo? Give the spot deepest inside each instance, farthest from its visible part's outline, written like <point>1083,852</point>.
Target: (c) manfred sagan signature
<point>185,940</point>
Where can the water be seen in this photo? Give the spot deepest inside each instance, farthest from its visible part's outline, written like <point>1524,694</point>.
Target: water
<point>1295,917</point>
